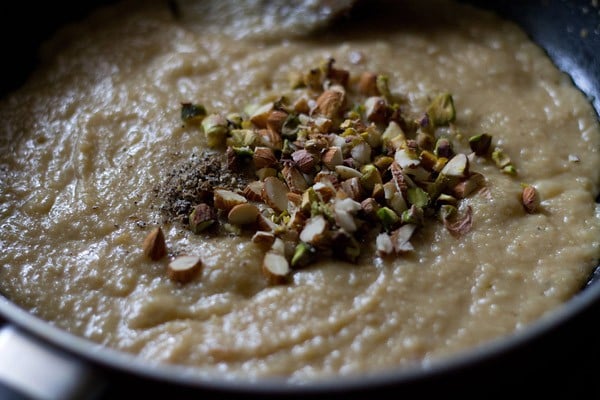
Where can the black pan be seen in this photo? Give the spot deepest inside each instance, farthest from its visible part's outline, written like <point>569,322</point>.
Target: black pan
<point>557,356</point>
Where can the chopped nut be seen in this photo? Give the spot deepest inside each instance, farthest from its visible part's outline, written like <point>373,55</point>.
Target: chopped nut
<point>346,172</point>
<point>263,157</point>
<point>263,239</point>
<point>414,215</point>
<point>330,104</point>
<point>243,214</point>
<point>253,191</point>
<point>369,207</point>
<point>314,230</point>
<point>294,179</point>
<point>457,167</point>
<point>325,190</point>
<point>184,268</point>
<point>192,112</point>
<point>226,199</point>
<point>384,245</point>
<point>261,114</point>
<point>467,186</point>
<point>443,148</point>
<point>401,238</point>
<point>406,158</point>
<point>215,128</point>
<point>530,199</point>
<point>361,153</point>
<point>500,158</point>
<point>304,254</point>
<point>462,225</point>
<point>388,218</point>
<point>480,144</point>
<point>275,267</point>
<point>294,198</point>
<point>382,83</point>
<point>376,109</point>
<point>305,161</point>
<point>275,120</point>
<point>270,139</point>
<point>441,110</point>
<point>353,188</point>
<point>332,157</point>
<point>417,196</point>
<point>274,194</point>
<point>264,173</point>
<point>154,245</point>
<point>367,84</point>
<point>202,217</point>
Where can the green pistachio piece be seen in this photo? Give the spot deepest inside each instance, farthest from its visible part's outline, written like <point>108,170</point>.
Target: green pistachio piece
<point>192,112</point>
<point>444,199</point>
<point>382,84</point>
<point>509,170</point>
<point>370,177</point>
<point>480,144</point>
<point>304,254</point>
<point>414,215</point>
<point>388,218</point>
<point>441,110</point>
<point>215,128</point>
<point>242,138</point>
<point>417,197</point>
<point>443,148</point>
<point>235,120</point>
<point>500,158</point>
<point>201,218</point>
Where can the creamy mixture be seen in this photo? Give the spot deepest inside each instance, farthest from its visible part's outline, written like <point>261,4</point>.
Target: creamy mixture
<point>86,142</point>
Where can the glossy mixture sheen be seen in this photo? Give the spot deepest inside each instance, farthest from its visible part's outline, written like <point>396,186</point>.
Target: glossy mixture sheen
<point>86,141</point>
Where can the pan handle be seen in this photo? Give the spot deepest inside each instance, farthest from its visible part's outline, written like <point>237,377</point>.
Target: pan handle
<point>31,369</point>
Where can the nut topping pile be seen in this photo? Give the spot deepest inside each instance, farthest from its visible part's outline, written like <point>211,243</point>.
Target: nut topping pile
<point>336,165</point>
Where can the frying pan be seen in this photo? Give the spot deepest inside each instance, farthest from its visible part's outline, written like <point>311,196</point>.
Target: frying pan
<point>556,355</point>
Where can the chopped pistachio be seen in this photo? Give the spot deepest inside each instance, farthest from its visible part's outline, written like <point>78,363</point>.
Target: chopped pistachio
<point>509,170</point>
<point>304,254</point>
<point>461,225</point>
<point>480,144</point>
<point>500,158</point>
<point>313,79</point>
<point>309,197</point>
<point>414,215</point>
<point>242,138</point>
<point>417,197</point>
<point>446,199</point>
<point>382,83</point>
<point>428,159</point>
<point>202,217</point>
<point>235,120</point>
<point>443,148</point>
<point>191,112</point>
<point>370,177</point>
<point>215,129</point>
<point>388,218</point>
<point>441,110</point>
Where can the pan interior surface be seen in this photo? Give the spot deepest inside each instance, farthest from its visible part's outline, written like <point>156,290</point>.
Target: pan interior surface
<point>571,52</point>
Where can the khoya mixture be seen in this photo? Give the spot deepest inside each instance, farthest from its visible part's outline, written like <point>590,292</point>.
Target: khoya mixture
<point>385,193</point>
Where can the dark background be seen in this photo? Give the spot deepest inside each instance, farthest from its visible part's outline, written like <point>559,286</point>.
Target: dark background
<point>563,363</point>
